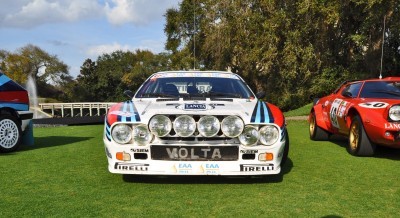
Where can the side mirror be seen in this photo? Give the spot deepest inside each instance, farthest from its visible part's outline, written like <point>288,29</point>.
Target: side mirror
<point>347,94</point>
<point>260,94</point>
<point>129,93</point>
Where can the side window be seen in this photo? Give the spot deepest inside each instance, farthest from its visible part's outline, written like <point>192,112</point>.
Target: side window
<point>352,90</point>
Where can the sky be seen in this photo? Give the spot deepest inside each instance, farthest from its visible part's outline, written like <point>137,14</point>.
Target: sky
<point>75,30</point>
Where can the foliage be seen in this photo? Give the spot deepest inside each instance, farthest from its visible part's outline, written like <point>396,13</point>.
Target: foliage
<point>47,70</point>
<point>288,48</point>
<point>67,168</point>
<point>107,78</point>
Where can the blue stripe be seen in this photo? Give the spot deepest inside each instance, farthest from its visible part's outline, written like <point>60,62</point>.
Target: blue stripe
<point>16,106</point>
<point>137,117</point>
<point>123,118</point>
<point>4,79</point>
<point>108,130</point>
<point>266,114</point>
<point>258,116</point>
<point>282,133</point>
<point>133,119</point>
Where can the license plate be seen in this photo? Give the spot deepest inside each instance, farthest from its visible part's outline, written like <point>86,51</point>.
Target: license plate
<point>195,153</point>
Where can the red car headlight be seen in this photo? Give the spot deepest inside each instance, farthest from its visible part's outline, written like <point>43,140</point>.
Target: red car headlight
<point>394,113</point>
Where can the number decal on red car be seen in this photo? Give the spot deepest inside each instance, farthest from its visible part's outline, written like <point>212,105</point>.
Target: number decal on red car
<point>374,105</point>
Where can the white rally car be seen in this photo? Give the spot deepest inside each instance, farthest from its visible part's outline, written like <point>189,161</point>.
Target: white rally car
<point>195,123</point>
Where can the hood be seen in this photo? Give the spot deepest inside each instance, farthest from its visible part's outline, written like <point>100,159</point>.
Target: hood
<point>141,111</point>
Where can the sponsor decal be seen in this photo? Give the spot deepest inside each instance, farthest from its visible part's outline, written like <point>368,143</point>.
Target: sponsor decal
<point>195,74</point>
<point>373,105</point>
<point>122,113</point>
<point>210,168</point>
<point>392,126</point>
<point>189,153</point>
<point>184,168</point>
<point>195,107</point>
<point>140,150</point>
<point>261,113</point>
<point>338,109</point>
<point>256,167</point>
<point>131,166</point>
<point>249,151</point>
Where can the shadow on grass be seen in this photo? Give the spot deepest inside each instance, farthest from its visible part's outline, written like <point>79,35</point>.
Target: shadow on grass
<point>52,141</point>
<point>210,179</point>
<point>380,152</point>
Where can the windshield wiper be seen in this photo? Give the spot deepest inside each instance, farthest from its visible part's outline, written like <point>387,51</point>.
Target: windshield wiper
<point>224,94</point>
<point>163,95</point>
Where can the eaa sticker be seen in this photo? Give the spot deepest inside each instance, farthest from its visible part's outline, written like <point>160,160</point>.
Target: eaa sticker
<point>374,105</point>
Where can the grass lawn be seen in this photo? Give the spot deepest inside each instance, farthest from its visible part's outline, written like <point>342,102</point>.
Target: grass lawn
<point>302,111</point>
<point>65,175</point>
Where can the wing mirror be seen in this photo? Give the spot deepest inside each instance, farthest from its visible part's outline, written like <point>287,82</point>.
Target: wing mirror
<point>347,94</point>
<point>260,94</point>
<point>129,93</point>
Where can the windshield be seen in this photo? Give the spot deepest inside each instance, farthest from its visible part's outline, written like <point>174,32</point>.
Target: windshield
<point>381,89</point>
<point>188,87</point>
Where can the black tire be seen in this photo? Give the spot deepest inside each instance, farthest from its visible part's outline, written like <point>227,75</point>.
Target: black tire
<point>10,133</point>
<point>317,133</point>
<point>359,143</point>
<point>286,149</point>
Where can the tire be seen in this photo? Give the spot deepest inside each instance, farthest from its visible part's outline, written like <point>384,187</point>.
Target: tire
<point>10,133</point>
<point>317,133</point>
<point>286,149</point>
<point>359,143</point>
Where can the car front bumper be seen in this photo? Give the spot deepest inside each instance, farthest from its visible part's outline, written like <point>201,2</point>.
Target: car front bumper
<point>146,165</point>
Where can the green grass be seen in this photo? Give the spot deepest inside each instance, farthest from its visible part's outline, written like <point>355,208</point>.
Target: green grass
<point>65,175</point>
<point>302,111</point>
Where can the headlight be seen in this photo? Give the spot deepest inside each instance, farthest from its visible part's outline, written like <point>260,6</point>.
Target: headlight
<point>249,136</point>
<point>121,133</point>
<point>208,126</point>
<point>394,113</point>
<point>141,135</point>
<point>232,126</point>
<point>269,135</point>
<point>160,125</point>
<point>184,125</point>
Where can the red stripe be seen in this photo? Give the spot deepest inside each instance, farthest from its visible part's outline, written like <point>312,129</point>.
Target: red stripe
<point>15,97</point>
<point>279,119</point>
<point>112,118</point>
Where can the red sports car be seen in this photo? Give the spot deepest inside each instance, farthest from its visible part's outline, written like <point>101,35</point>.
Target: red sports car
<point>366,111</point>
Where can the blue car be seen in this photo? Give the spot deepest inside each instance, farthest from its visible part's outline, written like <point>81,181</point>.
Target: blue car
<point>15,117</point>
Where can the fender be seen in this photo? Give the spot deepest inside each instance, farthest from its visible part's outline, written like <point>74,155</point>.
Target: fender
<point>318,110</point>
<point>279,119</point>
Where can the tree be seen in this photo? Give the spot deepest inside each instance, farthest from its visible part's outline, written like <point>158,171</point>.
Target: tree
<point>291,49</point>
<point>112,74</point>
<point>46,69</point>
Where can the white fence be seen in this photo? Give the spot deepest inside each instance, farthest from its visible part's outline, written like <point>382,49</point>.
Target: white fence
<point>76,109</point>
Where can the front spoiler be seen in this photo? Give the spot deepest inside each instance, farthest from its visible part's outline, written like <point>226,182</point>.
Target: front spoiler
<point>188,167</point>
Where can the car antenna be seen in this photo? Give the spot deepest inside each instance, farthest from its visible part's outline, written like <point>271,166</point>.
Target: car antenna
<point>383,44</point>
<point>194,35</point>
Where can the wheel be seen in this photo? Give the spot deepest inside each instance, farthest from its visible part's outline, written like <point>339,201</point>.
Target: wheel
<point>286,149</point>
<point>10,133</point>
<point>317,133</point>
<point>359,143</point>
